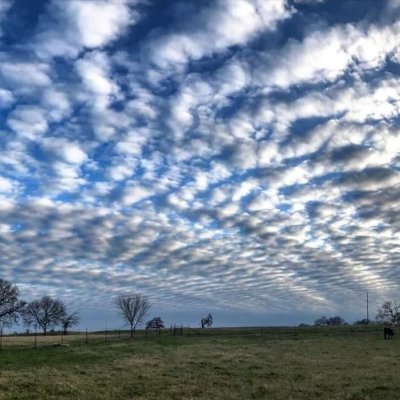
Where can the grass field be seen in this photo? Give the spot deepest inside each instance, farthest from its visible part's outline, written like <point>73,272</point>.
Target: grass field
<point>274,363</point>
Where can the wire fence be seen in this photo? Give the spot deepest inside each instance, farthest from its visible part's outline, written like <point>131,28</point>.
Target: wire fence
<point>9,340</point>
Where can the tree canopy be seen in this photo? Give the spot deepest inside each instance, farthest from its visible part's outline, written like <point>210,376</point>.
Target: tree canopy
<point>155,323</point>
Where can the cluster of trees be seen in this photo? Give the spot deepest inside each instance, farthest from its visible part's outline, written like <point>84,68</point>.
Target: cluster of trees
<point>134,307</point>
<point>331,321</point>
<point>48,312</point>
<point>388,313</point>
<point>45,313</point>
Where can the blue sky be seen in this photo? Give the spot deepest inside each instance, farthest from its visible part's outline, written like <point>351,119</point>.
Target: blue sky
<point>238,157</point>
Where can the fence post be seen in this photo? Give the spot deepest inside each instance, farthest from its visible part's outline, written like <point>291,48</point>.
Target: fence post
<point>35,336</point>
<point>105,335</point>
<point>1,337</point>
<point>86,337</point>
<point>61,336</point>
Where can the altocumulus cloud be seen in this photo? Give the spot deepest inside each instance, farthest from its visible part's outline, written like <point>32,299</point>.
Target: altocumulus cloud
<point>236,156</point>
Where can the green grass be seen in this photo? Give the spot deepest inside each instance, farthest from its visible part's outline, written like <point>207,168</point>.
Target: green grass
<point>275,363</point>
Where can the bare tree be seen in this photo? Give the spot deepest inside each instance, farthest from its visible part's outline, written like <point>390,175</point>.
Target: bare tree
<point>68,321</point>
<point>10,305</point>
<point>389,312</point>
<point>46,312</point>
<point>132,308</point>
<point>207,321</point>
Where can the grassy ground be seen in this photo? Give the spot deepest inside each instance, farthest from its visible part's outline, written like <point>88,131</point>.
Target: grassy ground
<point>272,364</point>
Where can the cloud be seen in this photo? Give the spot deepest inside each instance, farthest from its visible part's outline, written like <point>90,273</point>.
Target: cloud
<point>326,55</point>
<point>25,75</point>
<point>6,185</point>
<point>133,194</point>
<point>28,121</point>
<point>72,26</point>
<point>221,170</point>
<point>68,152</point>
<point>212,30</point>
<point>4,7</point>
<point>93,70</point>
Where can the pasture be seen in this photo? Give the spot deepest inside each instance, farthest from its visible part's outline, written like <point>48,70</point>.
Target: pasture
<point>269,363</point>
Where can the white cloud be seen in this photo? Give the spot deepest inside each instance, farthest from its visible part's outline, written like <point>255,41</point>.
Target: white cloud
<point>6,98</point>
<point>245,155</point>
<point>98,22</point>
<point>25,74</point>
<point>212,31</point>
<point>57,104</point>
<point>326,55</point>
<point>94,71</point>
<point>83,24</point>
<point>6,185</point>
<point>133,194</point>
<point>123,169</point>
<point>67,151</point>
<point>28,121</point>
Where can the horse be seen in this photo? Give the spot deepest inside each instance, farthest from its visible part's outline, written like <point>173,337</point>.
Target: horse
<point>388,333</point>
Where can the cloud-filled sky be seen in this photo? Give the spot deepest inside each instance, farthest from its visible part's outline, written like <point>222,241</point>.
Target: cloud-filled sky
<point>238,157</point>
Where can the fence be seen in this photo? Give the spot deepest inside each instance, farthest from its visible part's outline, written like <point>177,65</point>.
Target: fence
<point>36,339</point>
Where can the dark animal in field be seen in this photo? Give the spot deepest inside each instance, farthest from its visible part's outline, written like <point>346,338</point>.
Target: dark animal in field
<point>388,333</point>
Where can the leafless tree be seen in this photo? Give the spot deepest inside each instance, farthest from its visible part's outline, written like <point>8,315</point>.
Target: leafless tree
<point>132,308</point>
<point>10,305</point>
<point>389,312</point>
<point>46,312</point>
<point>69,320</point>
<point>207,321</point>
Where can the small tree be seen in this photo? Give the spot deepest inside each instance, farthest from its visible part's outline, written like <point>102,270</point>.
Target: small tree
<point>132,308</point>
<point>68,321</point>
<point>207,321</point>
<point>331,321</point>
<point>363,321</point>
<point>155,323</point>
<point>10,305</point>
<point>389,312</point>
<point>46,312</point>
<point>337,320</point>
<point>323,321</point>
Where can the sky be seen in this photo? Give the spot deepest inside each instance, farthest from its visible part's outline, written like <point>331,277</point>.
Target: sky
<point>233,157</point>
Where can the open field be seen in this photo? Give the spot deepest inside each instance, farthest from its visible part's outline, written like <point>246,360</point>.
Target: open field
<point>269,363</point>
